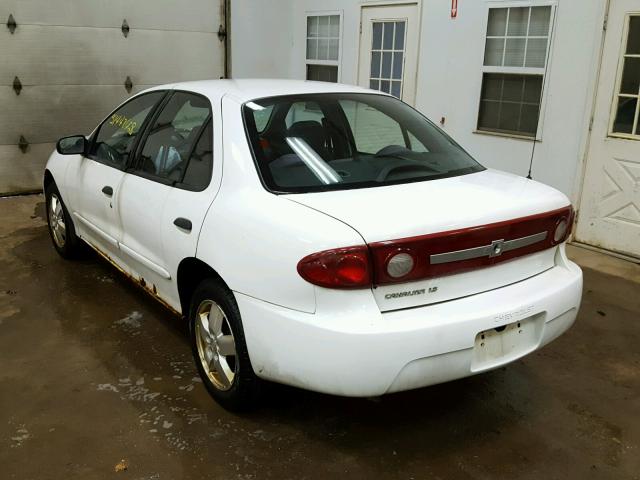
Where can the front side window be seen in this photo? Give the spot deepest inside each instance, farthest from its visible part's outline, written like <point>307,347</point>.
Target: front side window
<point>337,141</point>
<point>515,57</point>
<point>170,140</point>
<point>323,47</point>
<point>115,137</point>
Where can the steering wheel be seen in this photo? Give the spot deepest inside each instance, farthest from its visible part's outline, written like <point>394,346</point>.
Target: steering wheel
<point>391,151</point>
<point>382,176</point>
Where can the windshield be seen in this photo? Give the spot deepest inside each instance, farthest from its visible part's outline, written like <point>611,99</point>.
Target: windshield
<point>317,142</point>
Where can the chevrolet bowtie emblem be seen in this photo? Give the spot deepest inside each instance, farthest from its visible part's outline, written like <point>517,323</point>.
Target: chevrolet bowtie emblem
<point>496,248</point>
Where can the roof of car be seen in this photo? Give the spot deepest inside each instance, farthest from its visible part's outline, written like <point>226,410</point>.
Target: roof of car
<point>247,89</point>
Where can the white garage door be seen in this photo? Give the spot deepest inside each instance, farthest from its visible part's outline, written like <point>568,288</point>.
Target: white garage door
<point>72,61</point>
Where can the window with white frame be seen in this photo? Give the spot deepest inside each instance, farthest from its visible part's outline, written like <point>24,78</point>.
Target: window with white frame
<point>625,122</point>
<point>515,57</point>
<point>323,47</point>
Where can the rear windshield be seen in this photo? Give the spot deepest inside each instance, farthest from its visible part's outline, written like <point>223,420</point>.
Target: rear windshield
<point>308,143</point>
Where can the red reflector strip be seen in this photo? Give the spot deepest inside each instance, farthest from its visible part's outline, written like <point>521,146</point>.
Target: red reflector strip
<point>457,251</point>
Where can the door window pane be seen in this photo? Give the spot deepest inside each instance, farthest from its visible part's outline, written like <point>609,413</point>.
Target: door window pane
<point>510,103</point>
<point>116,136</point>
<point>198,173</point>
<point>630,76</point>
<point>625,115</point>
<point>377,36</point>
<point>387,38</point>
<point>399,40</point>
<point>387,56</point>
<point>169,142</point>
<point>626,102</point>
<point>633,41</point>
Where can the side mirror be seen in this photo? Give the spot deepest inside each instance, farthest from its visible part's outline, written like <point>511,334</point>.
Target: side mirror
<point>74,145</point>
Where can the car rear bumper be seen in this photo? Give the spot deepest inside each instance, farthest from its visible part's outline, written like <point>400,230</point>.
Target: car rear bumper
<point>355,350</point>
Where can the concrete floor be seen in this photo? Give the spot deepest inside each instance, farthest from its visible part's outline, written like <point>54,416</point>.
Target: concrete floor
<point>94,372</point>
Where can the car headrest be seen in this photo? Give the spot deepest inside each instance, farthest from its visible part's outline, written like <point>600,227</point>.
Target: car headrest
<point>310,131</point>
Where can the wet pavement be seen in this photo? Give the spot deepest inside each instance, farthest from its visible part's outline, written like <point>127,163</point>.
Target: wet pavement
<point>93,372</point>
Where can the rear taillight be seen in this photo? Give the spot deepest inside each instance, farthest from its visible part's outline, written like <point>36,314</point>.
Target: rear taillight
<point>436,254</point>
<point>457,251</point>
<point>563,227</point>
<point>338,268</point>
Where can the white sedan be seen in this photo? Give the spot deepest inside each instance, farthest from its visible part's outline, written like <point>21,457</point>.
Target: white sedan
<point>323,236</point>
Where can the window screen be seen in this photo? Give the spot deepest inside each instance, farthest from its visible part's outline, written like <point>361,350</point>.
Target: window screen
<point>323,47</point>
<point>515,58</point>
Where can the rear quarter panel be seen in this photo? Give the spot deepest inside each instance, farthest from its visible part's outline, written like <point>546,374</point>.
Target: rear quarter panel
<point>254,239</point>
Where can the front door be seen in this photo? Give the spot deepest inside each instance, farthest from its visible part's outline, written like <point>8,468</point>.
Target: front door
<point>389,50</point>
<point>610,207</point>
<point>96,179</point>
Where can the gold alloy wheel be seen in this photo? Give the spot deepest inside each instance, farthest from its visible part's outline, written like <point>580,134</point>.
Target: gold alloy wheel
<point>216,345</point>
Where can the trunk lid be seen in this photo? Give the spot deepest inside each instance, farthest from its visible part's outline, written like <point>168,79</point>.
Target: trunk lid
<point>402,212</point>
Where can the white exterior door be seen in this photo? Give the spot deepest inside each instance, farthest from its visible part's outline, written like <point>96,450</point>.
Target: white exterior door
<point>610,207</point>
<point>388,57</point>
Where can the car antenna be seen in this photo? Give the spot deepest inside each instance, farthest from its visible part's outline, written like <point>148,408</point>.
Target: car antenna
<point>544,79</point>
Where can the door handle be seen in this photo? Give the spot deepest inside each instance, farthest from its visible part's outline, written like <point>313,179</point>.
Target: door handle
<point>183,223</point>
<point>107,190</point>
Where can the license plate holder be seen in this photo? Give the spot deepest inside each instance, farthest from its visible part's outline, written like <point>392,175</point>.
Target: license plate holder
<point>496,346</point>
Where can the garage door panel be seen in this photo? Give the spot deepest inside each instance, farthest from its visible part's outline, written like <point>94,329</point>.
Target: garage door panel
<point>194,15</point>
<point>91,56</point>
<point>22,172</point>
<point>49,112</point>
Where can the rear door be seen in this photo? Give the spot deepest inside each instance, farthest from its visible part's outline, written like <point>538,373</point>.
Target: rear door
<point>94,181</point>
<point>164,196</point>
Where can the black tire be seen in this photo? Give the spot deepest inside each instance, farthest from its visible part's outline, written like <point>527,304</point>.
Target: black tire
<point>70,247</point>
<point>242,392</point>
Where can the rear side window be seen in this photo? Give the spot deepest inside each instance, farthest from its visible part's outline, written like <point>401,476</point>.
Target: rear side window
<point>172,137</point>
<point>198,173</point>
<point>116,136</point>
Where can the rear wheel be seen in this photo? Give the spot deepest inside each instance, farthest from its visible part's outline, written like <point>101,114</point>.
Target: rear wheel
<point>63,234</point>
<point>219,348</point>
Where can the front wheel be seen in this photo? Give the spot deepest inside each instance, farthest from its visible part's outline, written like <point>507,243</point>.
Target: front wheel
<point>63,234</point>
<point>219,347</point>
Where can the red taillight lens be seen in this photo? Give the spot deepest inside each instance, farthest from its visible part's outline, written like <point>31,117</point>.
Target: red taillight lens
<point>456,251</point>
<point>339,268</point>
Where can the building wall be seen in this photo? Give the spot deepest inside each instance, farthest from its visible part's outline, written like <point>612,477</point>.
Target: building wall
<point>262,38</point>
<point>449,72</point>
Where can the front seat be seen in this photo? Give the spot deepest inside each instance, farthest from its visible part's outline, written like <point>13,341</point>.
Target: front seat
<point>313,133</point>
